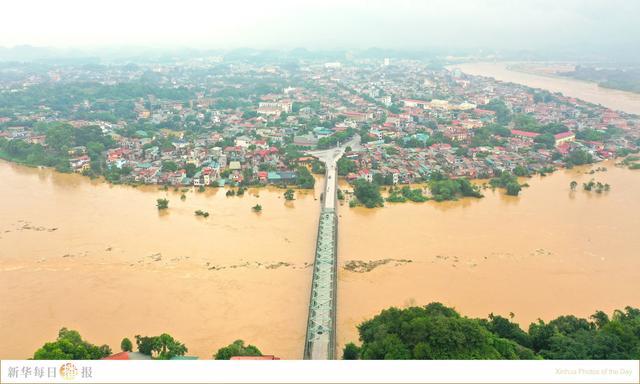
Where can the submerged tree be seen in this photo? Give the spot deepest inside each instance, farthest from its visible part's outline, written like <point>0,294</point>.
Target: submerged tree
<point>162,204</point>
<point>288,195</point>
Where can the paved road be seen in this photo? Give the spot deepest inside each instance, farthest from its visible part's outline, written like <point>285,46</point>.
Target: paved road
<point>320,336</point>
<point>330,157</point>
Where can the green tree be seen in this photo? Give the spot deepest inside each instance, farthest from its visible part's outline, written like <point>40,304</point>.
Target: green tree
<point>513,189</point>
<point>249,114</point>
<point>546,140</point>
<point>126,345</point>
<point>579,157</point>
<point>368,193</point>
<point>162,347</point>
<point>520,171</point>
<point>167,347</point>
<point>60,137</point>
<point>237,348</point>
<point>304,178</point>
<point>450,189</point>
<point>503,327</point>
<point>169,166</point>
<point>350,352</point>
<point>414,195</point>
<point>526,123</point>
<point>190,169</point>
<point>503,114</point>
<point>288,194</point>
<point>257,208</point>
<point>431,332</point>
<point>162,204</point>
<point>70,346</point>
<point>439,332</point>
<point>346,166</point>
<point>145,344</point>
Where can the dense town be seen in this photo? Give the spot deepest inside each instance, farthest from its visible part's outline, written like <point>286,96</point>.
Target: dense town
<point>211,122</point>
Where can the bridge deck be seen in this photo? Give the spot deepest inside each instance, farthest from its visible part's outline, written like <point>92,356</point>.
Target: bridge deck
<point>321,325</point>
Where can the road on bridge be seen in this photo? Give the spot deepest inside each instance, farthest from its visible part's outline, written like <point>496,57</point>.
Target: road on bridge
<point>330,158</point>
<point>321,325</point>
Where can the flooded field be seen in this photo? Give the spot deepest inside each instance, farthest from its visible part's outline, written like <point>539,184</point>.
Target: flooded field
<point>542,254</point>
<point>611,98</point>
<point>101,259</point>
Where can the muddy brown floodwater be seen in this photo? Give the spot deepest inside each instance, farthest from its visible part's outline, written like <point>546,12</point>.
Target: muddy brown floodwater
<point>545,253</point>
<point>102,260</point>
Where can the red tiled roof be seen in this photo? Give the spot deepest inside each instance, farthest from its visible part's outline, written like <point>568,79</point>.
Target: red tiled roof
<point>265,357</point>
<point>524,133</point>
<point>563,135</point>
<point>118,356</point>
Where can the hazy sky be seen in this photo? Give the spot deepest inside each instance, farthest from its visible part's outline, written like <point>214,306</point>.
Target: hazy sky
<point>321,23</point>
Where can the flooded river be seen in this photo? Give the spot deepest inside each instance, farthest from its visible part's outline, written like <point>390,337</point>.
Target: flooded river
<point>611,98</point>
<point>101,259</point>
<point>542,254</point>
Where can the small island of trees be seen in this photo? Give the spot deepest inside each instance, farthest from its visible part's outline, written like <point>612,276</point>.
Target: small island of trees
<point>508,181</point>
<point>367,193</point>
<point>162,204</point>
<point>289,195</point>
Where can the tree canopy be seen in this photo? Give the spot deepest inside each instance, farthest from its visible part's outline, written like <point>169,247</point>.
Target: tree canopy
<point>432,332</point>
<point>304,178</point>
<point>237,348</point>
<point>368,193</point>
<point>439,332</point>
<point>450,189</point>
<point>70,346</point>
<point>162,347</point>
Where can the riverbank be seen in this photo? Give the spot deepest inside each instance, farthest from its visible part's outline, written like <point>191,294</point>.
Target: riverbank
<point>588,91</point>
<point>568,71</point>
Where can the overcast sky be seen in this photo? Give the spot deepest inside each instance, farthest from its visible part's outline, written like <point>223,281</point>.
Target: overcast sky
<point>321,24</point>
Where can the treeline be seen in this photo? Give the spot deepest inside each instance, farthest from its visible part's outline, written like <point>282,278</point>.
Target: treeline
<point>70,346</point>
<point>439,332</point>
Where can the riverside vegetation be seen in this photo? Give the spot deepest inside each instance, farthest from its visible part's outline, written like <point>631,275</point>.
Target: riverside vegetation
<point>439,332</point>
<point>70,346</point>
<point>434,332</point>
